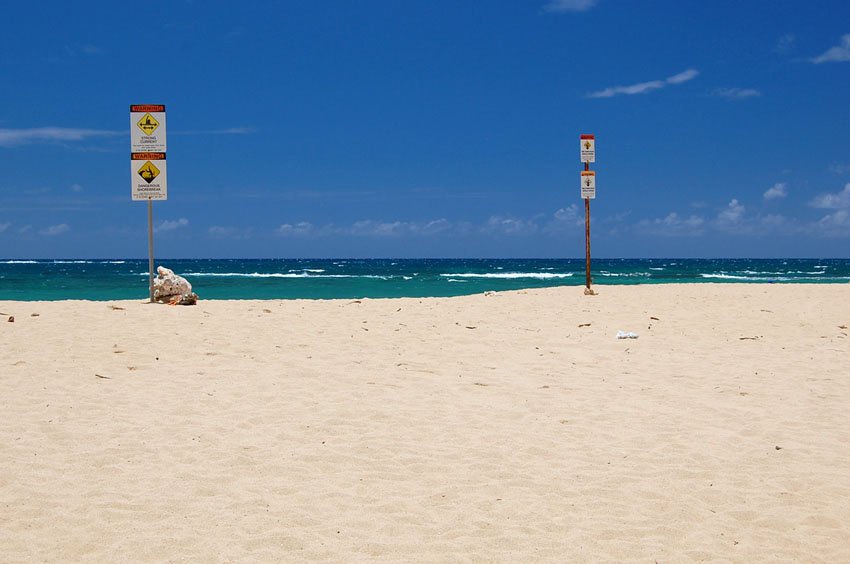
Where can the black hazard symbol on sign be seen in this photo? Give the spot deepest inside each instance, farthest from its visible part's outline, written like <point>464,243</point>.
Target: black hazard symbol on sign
<point>148,124</point>
<point>148,172</point>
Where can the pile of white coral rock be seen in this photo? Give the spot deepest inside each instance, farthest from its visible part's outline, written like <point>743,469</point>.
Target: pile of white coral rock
<point>171,288</point>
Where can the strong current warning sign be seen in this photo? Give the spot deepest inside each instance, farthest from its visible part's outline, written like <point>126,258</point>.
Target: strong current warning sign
<point>147,128</point>
<point>148,180</point>
<point>588,148</point>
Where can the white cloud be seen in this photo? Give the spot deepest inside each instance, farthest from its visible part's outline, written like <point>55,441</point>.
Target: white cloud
<point>301,228</point>
<point>731,219</point>
<point>4,226</point>
<point>379,228</point>
<point>731,214</point>
<point>570,215</point>
<point>509,226</point>
<point>16,137</point>
<point>563,6</point>
<point>91,50</point>
<point>76,188</point>
<point>736,93</point>
<point>644,87</point>
<point>55,230</point>
<point>778,190</point>
<point>432,227</point>
<point>683,76</point>
<point>836,220</point>
<point>373,228</point>
<point>839,53</point>
<point>640,88</point>
<point>171,225</point>
<point>839,168</point>
<point>840,200</point>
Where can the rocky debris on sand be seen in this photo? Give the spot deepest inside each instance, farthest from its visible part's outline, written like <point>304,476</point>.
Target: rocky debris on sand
<point>172,289</point>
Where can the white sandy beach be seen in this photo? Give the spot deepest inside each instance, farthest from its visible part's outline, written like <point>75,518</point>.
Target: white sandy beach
<point>512,427</point>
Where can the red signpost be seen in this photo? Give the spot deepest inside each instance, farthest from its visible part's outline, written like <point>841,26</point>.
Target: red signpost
<point>588,192</point>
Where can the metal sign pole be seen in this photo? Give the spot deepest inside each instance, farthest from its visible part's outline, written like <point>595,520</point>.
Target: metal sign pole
<point>148,166</point>
<point>587,237</point>
<point>150,247</point>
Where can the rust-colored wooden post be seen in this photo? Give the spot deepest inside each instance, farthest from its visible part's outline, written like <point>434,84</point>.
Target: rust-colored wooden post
<point>587,237</point>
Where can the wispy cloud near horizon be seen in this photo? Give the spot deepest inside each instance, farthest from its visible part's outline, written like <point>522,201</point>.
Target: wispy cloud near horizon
<point>10,138</point>
<point>736,93</point>
<point>54,230</point>
<point>838,200</point>
<point>838,54</point>
<point>171,225</point>
<point>644,87</point>
<point>17,137</point>
<point>564,6</point>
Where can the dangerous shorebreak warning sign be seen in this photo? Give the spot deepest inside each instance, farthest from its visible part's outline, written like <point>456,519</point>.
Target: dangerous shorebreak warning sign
<point>588,184</point>
<point>148,178</point>
<point>147,128</point>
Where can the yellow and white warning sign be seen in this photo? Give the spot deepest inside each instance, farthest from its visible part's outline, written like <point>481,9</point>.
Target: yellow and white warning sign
<point>147,124</point>
<point>148,179</point>
<point>588,148</point>
<point>588,184</point>
<point>147,128</point>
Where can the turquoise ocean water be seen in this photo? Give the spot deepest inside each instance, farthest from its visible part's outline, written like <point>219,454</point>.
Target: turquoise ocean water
<point>383,278</point>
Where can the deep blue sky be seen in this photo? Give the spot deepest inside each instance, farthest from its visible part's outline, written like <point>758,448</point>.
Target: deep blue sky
<point>430,128</point>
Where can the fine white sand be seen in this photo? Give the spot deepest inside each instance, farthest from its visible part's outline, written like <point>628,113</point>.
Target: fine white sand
<point>510,427</point>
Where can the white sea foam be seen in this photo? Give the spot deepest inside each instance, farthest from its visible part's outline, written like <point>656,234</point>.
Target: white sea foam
<point>280,275</point>
<point>72,262</point>
<point>655,268</point>
<point>456,280</point>
<point>19,262</point>
<point>722,276</point>
<point>306,270</point>
<point>624,274</point>
<point>510,275</point>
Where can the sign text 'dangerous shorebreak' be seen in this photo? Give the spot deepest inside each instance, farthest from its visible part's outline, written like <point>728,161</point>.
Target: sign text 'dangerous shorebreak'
<point>588,184</point>
<point>148,176</point>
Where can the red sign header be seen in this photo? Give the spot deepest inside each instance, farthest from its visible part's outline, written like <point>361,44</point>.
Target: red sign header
<point>587,136</point>
<point>147,107</point>
<point>147,156</point>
